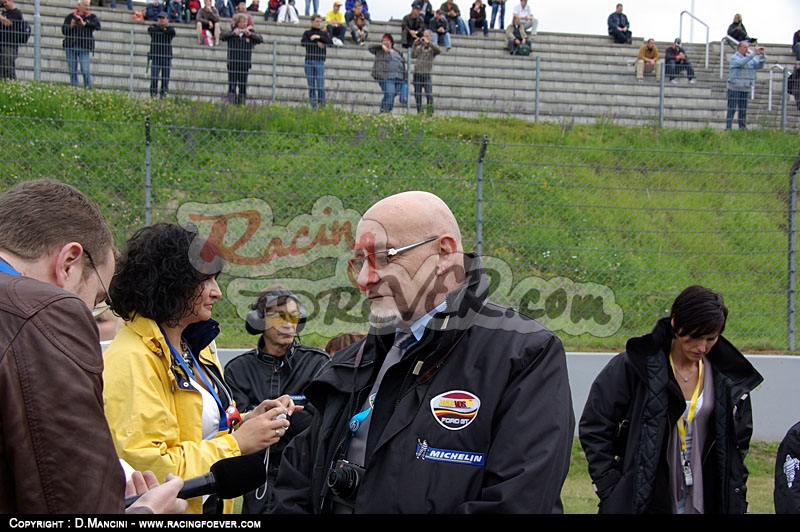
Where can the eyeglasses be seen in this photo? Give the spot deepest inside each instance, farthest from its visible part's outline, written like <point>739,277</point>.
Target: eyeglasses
<point>382,258</point>
<point>277,318</point>
<point>104,305</point>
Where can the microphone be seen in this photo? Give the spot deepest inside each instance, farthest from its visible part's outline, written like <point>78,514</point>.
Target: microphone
<point>228,478</point>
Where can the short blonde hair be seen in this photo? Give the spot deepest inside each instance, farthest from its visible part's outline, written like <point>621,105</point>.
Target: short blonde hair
<point>239,16</point>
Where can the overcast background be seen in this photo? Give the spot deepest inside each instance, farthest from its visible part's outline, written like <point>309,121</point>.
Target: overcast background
<point>770,21</point>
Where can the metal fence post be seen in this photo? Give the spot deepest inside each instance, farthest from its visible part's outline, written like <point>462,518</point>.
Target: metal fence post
<point>148,184</point>
<point>663,67</point>
<point>130,79</point>
<point>274,69</point>
<point>479,198</point>
<point>536,102</point>
<point>37,42</point>
<point>791,253</point>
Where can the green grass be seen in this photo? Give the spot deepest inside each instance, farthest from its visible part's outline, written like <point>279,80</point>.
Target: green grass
<point>579,498</point>
<point>640,210</point>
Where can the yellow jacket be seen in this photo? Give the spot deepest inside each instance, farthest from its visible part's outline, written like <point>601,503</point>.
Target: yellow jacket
<point>154,424</point>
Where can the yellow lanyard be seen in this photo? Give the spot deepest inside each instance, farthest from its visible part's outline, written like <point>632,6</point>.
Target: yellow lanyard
<point>692,404</point>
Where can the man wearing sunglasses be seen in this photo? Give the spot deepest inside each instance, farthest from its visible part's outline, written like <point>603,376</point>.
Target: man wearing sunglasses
<point>452,404</point>
<point>56,452</point>
<point>279,365</point>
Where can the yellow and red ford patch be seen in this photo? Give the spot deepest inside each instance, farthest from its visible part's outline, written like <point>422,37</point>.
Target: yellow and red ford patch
<point>456,409</point>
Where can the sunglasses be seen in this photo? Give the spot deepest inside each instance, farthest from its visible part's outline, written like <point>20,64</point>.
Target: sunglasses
<point>277,318</point>
<point>381,258</point>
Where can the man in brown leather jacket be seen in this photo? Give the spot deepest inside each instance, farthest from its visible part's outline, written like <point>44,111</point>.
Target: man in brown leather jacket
<point>56,454</point>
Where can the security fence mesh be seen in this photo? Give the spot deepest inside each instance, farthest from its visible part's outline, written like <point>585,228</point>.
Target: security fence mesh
<point>594,242</point>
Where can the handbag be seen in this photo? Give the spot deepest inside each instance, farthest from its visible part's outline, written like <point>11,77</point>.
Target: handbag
<point>524,49</point>
<point>404,92</point>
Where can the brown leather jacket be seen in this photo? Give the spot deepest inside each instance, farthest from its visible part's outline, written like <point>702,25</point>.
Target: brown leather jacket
<point>56,453</point>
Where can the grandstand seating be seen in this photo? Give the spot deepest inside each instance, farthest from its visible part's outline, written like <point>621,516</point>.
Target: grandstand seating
<point>567,79</point>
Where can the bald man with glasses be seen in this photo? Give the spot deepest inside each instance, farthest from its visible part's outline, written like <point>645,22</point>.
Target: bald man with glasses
<point>451,404</point>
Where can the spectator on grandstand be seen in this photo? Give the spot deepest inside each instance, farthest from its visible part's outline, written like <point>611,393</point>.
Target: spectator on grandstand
<point>335,24</point>
<point>426,10</point>
<point>441,29</point>
<point>424,52</point>
<point>412,26</point>
<point>254,7</point>
<point>308,7</point>
<point>453,15</point>
<point>190,9</point>
<point>241,41</point>
<point>174,11</point>
<point>12,29</point>
<point>796,44</point>
<point>515,34</point>
<point>152,10</point>
<point>241,7</point>
<point>359,24</point>
<point>225,8</point>
<point>741,78</point>
<point>498,6</point>
<point>619,27</point>
<point>526,17</point>
<point>477,18</point>
<point>647,61</point>
<point>348,9</point>
<point>78,30</point>
<point>737,30</point>
<point>315,40</point>
<point>273,6</point>
<point>208,25</point>
<point>160,54</point>
<point>388,70</point>
<point>287,13</point>
<point>677,62</point>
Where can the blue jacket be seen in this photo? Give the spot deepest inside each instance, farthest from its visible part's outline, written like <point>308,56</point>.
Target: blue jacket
<point>615,19</point>
<point>742,75</point>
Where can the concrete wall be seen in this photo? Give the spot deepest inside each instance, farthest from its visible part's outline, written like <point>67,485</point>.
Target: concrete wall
<point>775,402</point>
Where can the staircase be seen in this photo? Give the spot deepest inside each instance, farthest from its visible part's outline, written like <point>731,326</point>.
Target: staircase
<point>567,79</point>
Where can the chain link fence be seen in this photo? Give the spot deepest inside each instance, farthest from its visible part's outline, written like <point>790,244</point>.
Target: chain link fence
<point>594,242</point>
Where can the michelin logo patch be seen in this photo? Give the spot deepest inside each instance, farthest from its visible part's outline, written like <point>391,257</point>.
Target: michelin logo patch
<point>456,409</point>
<point>425,452</point>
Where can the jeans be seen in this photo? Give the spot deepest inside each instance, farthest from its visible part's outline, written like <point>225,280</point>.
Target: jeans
<point>130,4</point>
<point>485,27</point>
<point>502,9</point>
<point>338,32</point>
<point>315,75</point>
<point>390,88</point>
<point>8,58</point>
<point>620,37</point>
<point>442,38</point>
<point>225,8</point>
<point>674,68</point>
<point>316,7</point>
<point>737,100</point>
<point>77,57</point>
<point>796,49</point>
<point>159,70</point>
<point>423,82</point>
<point>237,79</point>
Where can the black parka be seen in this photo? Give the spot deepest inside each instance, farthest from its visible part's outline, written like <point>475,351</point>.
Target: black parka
<point>634,403</point>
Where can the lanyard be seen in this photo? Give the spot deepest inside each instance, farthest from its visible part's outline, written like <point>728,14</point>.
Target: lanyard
<point>223,418</point>
<point>7,268</point>
<point>682,425</point>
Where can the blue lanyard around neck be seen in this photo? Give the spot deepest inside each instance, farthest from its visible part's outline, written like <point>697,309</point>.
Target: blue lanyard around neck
<point>7,268</point>
<point>223,418</point>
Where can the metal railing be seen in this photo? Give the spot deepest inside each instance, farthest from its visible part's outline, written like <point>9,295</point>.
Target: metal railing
<point>680,30</point>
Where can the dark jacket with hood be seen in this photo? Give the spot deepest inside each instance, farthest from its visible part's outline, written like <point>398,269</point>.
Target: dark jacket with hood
<point>254,376</point>
<point>632,407</point>
<point>476,417</point>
